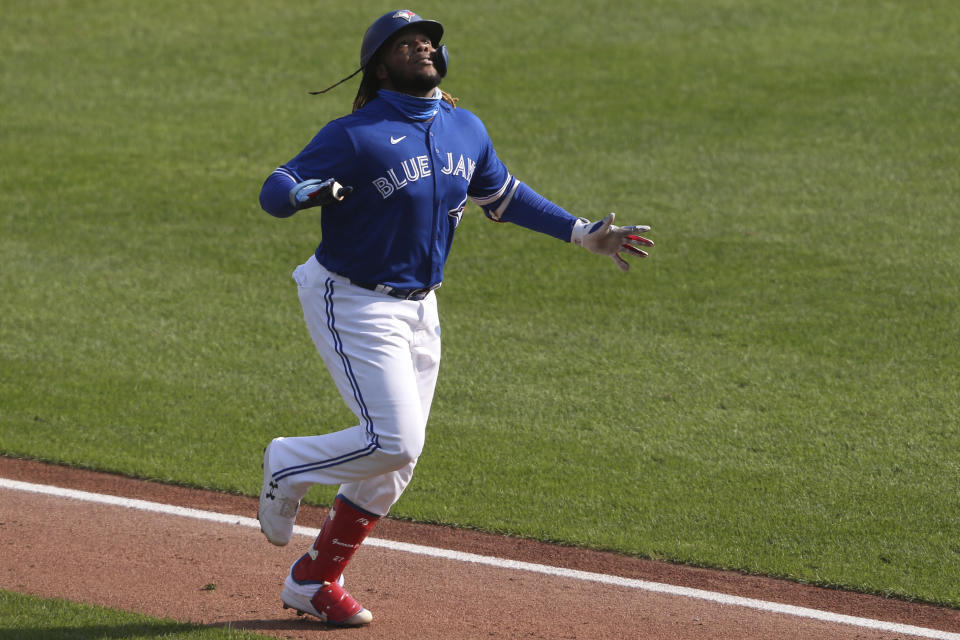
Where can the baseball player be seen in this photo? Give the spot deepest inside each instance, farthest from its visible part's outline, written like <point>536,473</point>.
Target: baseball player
<point>392,180</point>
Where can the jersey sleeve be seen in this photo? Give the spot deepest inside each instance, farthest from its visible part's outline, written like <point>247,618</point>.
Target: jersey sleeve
<point>328,155</point>
<point>503,198</point>
<point>529,209</point>
<point>492,185</point>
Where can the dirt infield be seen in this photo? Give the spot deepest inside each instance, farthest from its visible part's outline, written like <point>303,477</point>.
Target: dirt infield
<point>227,575</point>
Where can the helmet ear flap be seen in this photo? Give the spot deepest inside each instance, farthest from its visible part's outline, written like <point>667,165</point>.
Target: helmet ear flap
<point>441,60</point>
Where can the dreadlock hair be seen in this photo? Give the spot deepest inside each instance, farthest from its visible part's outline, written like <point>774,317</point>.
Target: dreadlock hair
<point>370,84</point>
<point>449,99</point>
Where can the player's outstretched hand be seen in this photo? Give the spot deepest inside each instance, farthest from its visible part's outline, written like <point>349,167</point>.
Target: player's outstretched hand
<point>607,239</point>
<point>318,193</point>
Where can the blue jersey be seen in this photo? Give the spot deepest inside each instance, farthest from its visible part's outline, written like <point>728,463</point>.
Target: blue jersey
<point>411,180</point>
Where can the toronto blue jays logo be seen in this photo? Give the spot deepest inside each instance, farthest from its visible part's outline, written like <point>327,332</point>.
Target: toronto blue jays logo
<point>413,169</point>
<point>457,213</point>
<point>406,14</point>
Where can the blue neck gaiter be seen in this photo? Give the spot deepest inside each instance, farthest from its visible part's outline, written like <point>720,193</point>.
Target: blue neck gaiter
<point>411,106</point>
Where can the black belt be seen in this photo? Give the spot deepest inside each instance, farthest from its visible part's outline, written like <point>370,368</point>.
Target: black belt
<point>403,294</point>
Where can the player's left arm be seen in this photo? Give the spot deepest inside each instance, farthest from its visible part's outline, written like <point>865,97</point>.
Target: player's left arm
<point>521,205</point>
<point>505,199</point>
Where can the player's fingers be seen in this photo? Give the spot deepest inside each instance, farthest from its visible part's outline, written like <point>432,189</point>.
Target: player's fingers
<point>640,239</point>
<point>637,228</point>
<point>604,224</point>
<point>620,262</point>
<point>637,252</point>
<point>600,230</point>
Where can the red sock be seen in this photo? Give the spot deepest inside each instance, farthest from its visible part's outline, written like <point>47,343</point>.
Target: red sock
<point>341,535</point>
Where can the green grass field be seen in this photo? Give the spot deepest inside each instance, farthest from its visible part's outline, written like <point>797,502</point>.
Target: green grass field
<point>30,618</point>
<point>774,391</point>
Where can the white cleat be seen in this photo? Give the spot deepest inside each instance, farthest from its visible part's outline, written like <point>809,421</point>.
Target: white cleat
<point>327,602</point>
<point>277,511</point>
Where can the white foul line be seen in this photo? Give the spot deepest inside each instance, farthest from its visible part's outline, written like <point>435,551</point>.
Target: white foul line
<point>502,563</point>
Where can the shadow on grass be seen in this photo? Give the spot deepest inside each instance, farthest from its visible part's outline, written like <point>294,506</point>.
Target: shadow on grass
<point>304,623</point>
<point>161,629</point>
<point>97,632</point>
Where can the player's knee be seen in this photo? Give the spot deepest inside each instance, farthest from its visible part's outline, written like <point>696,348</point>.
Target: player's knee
<point>407,453</point>
<point>411,451</point>
<point>401,451</point>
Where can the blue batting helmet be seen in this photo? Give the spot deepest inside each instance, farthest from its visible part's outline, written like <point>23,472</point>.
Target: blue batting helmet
<point>388,24</point>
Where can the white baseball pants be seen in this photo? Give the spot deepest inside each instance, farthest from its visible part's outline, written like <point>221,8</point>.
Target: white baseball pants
<point>383,354</point>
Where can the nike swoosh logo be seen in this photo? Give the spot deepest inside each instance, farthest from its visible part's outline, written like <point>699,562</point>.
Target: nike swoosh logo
<point>396,140</point>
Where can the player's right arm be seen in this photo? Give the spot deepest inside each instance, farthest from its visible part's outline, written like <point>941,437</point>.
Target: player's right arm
<point>275,193</point>
<point>283,195</point>
<point>308,180</point>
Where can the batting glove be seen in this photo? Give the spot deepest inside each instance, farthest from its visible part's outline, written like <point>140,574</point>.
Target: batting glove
<point>607,239</point>
<point>318,193</point>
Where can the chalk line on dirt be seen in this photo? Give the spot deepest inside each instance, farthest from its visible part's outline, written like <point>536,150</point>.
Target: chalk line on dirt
<point>502,563</point>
